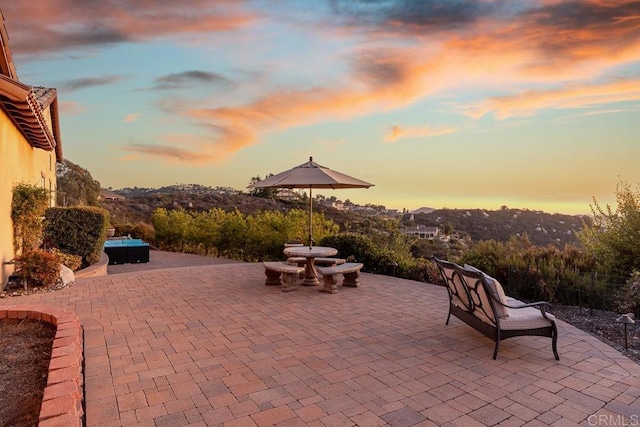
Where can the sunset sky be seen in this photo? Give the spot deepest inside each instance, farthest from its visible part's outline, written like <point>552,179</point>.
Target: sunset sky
<point>462,104</point>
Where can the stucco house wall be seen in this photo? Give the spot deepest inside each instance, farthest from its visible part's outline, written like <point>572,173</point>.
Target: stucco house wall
<point>29,144</point>
<point>21,163</point>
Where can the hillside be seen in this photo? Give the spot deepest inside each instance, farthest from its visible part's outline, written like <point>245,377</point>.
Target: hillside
<point>542,228</point>
<point>139,204</point>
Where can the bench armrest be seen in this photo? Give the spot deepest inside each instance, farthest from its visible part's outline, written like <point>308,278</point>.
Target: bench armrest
<point>538,304</point>
<point>530,304</point>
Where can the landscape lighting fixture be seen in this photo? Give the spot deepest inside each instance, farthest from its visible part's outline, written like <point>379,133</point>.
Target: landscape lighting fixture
<point>626,319</point>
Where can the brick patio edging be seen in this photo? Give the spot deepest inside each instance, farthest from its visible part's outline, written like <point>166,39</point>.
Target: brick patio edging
<point>63,395</point>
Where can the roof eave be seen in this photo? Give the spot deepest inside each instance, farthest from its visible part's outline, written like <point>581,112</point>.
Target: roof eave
<point>22,106</point>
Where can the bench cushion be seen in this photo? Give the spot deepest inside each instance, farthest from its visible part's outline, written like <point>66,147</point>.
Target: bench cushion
<point>525,318</point>
<point>496,289</point>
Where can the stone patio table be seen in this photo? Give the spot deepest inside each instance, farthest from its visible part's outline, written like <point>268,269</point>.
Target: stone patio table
<point>310,253</point>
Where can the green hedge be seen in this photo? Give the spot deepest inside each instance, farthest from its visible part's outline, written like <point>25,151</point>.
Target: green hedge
<point>78,230</point>
<point>388,255</point>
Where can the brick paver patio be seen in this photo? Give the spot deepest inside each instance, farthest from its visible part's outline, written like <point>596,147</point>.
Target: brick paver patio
<point>213,346</point>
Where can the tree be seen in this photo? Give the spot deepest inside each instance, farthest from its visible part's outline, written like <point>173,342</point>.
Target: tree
<point>447,229</point>
<point>265,193</point>
<point>614,237</point>
<point>76,186</point>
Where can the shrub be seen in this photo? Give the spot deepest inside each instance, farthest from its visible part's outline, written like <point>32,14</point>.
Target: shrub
<point>353,247</point>
<point>28,205</point>
<point>389,256</point>
<point>172,228</point>
<point>144,231</point>
<point>38,268</point>
<point>629,299</point>
<point>123,229</point>
<point>140,230</point>
<point>613,237</point>
<point>74,262</point>
<point>78,230</point>
<point>422,270</point>
<point>256,237</point>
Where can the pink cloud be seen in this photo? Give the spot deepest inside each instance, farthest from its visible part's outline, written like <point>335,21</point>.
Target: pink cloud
<point>71,108</point>
<point>57,25</point>
<point>179,148</point>
<point>407,58</point>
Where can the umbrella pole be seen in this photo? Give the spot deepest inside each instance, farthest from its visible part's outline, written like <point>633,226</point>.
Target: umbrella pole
<point>310,216</point>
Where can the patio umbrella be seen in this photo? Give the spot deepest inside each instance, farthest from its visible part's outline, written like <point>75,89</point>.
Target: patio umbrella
<point>311,175</point>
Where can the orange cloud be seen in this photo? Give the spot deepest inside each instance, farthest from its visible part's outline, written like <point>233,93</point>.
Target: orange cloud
<point>128,158</point>
<point>131,117</point>
<point>400,132</point>
<point>382,80</point>
<point>556,41</point>
<point>551,43</point>
<point>570,96</point>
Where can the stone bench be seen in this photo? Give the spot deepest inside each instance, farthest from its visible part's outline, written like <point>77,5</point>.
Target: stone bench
<point>350,271</point>
<point>290,273</point>
<point>329,262</point>
<point>301,261</point>
<point>323,262</point>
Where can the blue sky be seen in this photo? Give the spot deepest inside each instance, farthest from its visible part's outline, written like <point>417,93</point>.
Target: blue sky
<point>459,104</point>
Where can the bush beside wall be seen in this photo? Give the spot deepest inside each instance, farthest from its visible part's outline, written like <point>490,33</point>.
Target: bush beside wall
<point>78,231</point>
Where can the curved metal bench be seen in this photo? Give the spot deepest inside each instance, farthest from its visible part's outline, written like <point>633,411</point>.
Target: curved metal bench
<point>350,271</point>
<point>478,303</point>
<point>290,273</point>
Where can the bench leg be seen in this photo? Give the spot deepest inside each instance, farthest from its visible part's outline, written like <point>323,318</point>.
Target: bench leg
<point>289,282</point>
<point>299,264</point>
<point>554,342</point>
<point>273,277</point>
<point>330,283</point>
<point>351,280</point>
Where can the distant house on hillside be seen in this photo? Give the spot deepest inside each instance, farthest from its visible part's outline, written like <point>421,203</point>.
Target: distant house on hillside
<point>287,194</point>
<point>109,195</point>
<point>30,144</point>
<point>423,232</point>
<point>335,204</point>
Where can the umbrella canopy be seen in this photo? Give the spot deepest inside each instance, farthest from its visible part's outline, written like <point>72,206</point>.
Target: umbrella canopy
<point>311,175</point>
